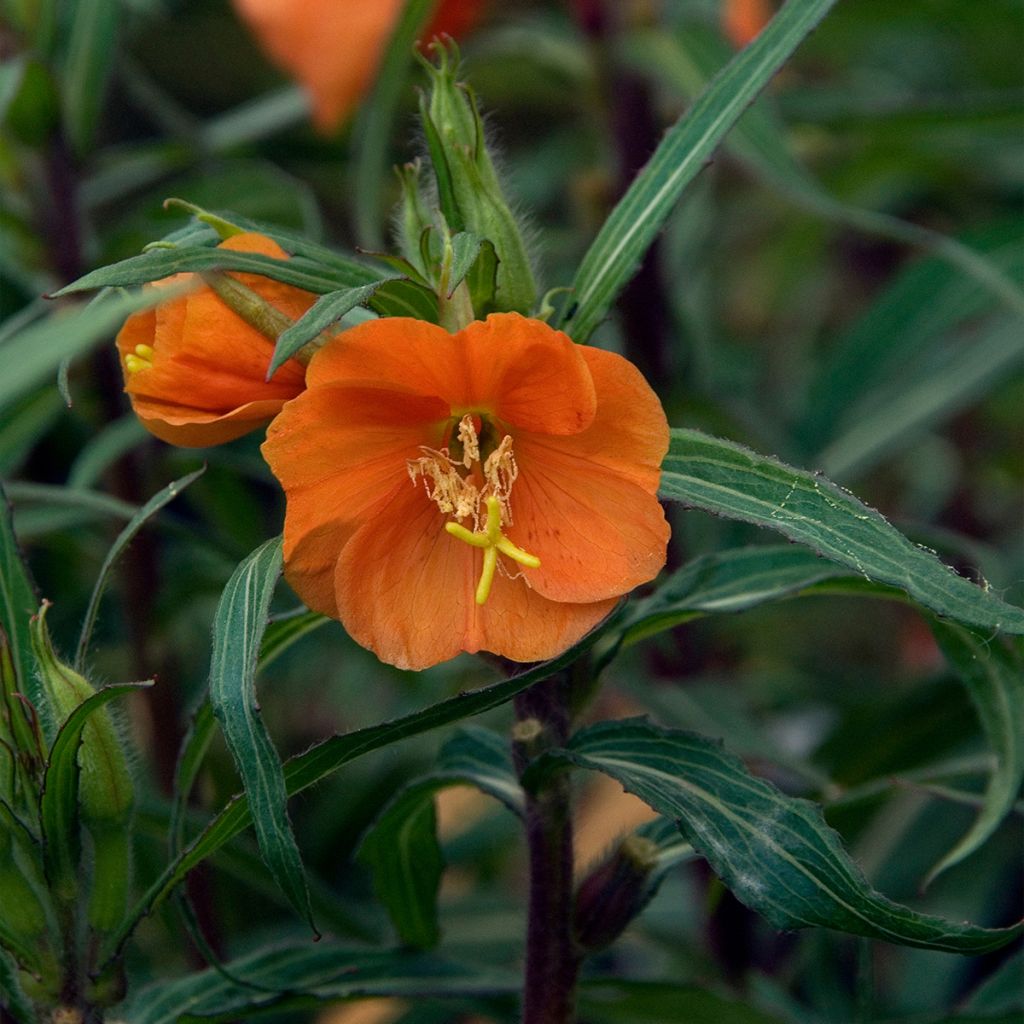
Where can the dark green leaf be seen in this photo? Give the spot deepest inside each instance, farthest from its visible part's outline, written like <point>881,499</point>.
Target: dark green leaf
<point>625,236</point>
<point>287,630</point>
<point>465,251</point>
<point>325,313</point>
<point>237,632</point>
<point>324,758</point>
<point>774,852</point>
<point>160,263</point>
<point>643,1002</point>
<point>729,480</point>
<point>401,847</point>
<point>296,976</point>
<point>18,603</point>
<point>400,297</point>
<point>993,673</point>
<point>1002,992</point>
<point>124,538</point>
<point>375,120</point>
<point>91,48</point>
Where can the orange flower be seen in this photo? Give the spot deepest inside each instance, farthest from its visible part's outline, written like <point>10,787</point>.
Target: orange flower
<point>491,490</point>
<point>742,20</point>
<point>196,372</point>
<point>333,47</point>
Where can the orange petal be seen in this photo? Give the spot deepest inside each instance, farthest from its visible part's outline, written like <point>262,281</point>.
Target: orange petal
<point>336,452</point>
<point>405,590</point>
<point>597,534</point>
<point>520,370</point>
<point>333,48</point>
<point>743,20</point>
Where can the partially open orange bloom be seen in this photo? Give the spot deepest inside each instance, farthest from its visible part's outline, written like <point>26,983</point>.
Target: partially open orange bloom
<point>492,490</point>
<point>196,372</point>
<point>742,20</point>
<point>333,47</point>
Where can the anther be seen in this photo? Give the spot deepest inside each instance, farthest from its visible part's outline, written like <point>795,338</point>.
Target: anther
<point>140,359</point>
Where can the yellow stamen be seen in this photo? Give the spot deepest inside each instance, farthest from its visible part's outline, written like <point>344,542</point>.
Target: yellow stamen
<point>492,540</point>
<point>140,359</point>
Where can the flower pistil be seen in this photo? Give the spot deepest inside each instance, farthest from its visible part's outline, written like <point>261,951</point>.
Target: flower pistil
<point>461,494</point>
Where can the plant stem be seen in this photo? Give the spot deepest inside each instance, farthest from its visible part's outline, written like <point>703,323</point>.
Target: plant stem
<point>552,963</point>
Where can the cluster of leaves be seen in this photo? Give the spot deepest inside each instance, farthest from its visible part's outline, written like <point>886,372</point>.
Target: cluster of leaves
<point>815,685</point>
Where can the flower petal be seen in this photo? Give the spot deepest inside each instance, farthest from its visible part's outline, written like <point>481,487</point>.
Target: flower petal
<point>336,452</point>
<point>405,590</point>
<point>597,534</point>
<point>521,371</point>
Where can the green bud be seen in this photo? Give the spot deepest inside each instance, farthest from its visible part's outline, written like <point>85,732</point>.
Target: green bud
<point>614,893</point>
<point>469,192</point>
<point>105,785</point>
<point>413,217</point>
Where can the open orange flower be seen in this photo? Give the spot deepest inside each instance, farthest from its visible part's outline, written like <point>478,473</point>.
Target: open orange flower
<point>196,372</point>
<point>333,47</point>
<point>492,490</point>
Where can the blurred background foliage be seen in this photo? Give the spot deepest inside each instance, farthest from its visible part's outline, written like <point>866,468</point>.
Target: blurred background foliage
<point>783,307</point>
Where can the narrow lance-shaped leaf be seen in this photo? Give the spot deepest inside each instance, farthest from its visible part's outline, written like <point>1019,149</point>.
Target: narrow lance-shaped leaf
<point>91,44</point>
<point>729,480</point>
<point>18,603</point>
<point>237,632</point>
<point>325,313</point>
<point>993,673</point>
<point>283,976</point>
<point>157,502</point>
<point>401,847</point>
<point>321,760</point>
<point>625,236</point>
<point>773,851</point>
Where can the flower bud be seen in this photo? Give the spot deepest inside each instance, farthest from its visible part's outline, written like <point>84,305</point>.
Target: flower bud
<point>105,785</point>
<point>468,188</point>
<point>413,220</point>
<point>614,893</point>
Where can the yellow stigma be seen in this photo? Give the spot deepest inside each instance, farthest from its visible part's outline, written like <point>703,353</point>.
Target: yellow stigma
<point>140,359</point>
<point>492,540</point>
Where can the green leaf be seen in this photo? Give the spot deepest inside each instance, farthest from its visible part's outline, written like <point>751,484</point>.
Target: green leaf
<point>91,47</point>
<point>774,852</point>
<point>957,374</point>
<point>324,758</point>
<point>23,427</point>
<point>400,297</point>
<point>401,847</point>
<point>1002,991</point>
<point>286,630</point>
<point>687,61</point>
<point>34,354</point>
<point>104,448</point>
<point>12,998</point>
<point>628,1001</point>
<point>638,217</point>
<point>237,632</point>
<point>376,119</point>
<point>729,480</point>
<point>465,252</point>
<point>729,581</point>
<point>993,673</point>
<point>325,313</point>
<point>59,801</point>
<point>894,341</point>
<point>18,603</point>
<point>303,975</point>
<point>124,538</point>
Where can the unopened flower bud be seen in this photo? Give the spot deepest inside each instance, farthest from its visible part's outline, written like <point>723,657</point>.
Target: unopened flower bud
<point>614,893</point>
<point>105,785</point>
<point>468,187</point>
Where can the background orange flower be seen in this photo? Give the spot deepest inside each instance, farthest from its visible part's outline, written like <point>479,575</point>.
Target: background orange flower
<point>742,20</point>
<point>333,47</point>
<point>367,545</point>
<point>196,372</point>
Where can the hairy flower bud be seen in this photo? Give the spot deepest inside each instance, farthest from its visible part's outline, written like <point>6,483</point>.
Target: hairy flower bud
<point>468,188</point>
<point>614,893</point>
<point>105,788</point>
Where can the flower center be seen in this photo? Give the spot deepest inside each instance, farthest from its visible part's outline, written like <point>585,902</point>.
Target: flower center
<point>476,486</point>
<point>140,359</point>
